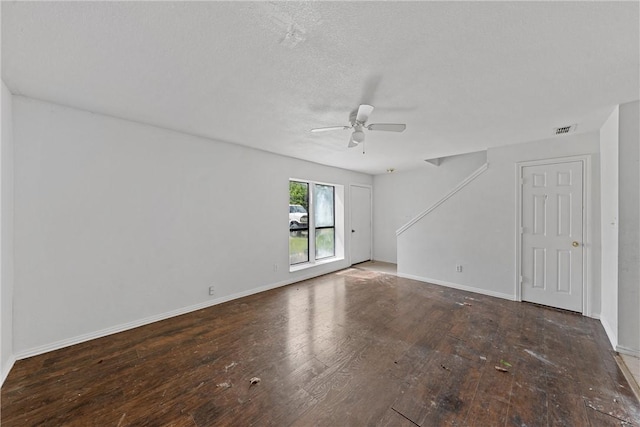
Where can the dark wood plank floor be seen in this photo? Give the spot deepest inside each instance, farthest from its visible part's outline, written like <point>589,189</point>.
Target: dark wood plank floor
<point>350,348</point>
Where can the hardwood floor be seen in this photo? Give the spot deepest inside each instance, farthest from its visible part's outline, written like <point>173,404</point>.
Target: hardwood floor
<point>354,348</point>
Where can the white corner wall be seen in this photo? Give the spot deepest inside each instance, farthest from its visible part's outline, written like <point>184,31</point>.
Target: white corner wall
<point>629,230</point>
<point>609,226</point>
<point>476,227</point>
<point>118,224</point>
<point>6,235</point>
<point>401,196</point>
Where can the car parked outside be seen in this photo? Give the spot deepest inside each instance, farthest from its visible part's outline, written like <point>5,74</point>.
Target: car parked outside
<point>298,217</point>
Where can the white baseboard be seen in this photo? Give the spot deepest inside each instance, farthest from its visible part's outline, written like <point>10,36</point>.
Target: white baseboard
<point>628,351</point>
<point>163,316</point>
<point>611,333</point>
<point>7,368</point>
<point>459,286</point>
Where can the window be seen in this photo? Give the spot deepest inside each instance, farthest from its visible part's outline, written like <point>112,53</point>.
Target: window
<point>324,221</point>
<point>298,222</point>
<point>315,210</point>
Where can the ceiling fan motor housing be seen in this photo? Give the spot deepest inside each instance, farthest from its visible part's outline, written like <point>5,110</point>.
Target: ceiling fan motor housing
<point>358,121</point>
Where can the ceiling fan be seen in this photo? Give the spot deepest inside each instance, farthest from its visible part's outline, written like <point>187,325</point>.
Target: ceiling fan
<point>358,122</point>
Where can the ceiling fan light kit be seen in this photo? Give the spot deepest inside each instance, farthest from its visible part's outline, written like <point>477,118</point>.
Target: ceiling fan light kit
<point>358,135</point>
<point>360,122</point>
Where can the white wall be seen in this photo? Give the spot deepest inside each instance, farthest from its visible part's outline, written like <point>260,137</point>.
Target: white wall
<point>118,223</point>
<point>609,225</point>
<point>477,226</point>
<point>399,197</point>
<point>629,237</point>
<point>6,235</point>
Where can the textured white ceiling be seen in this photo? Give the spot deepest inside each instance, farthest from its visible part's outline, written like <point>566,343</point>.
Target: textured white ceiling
<point>463,76</point>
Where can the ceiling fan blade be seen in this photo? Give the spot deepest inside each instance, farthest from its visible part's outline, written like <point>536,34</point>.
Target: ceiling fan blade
<point>330,128</point>
<point>389,127</point>
<point>352,143</point>
<point>363,113</point>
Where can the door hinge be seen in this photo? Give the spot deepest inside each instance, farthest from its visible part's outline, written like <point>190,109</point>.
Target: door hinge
<point>521,279</point>
<point>521,230</point>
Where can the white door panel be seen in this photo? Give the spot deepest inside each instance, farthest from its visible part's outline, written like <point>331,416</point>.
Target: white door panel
<point>360,224</point>
<point>552,233</point>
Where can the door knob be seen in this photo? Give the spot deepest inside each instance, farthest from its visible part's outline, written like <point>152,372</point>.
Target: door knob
<point>575,244</point>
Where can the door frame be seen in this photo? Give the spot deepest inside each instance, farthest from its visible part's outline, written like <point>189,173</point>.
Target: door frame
<point>370,188</point>
<point>587,285</point>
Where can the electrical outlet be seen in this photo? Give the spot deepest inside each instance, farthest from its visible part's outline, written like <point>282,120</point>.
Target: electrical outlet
<point>459,268</point>
<point>212,290</point>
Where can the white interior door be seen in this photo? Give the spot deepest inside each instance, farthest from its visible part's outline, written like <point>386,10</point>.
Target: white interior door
<point>552,233</point>
<point>360,224</point>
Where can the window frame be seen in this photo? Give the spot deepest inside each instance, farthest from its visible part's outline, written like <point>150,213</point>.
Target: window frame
<point>338,226</point>
<point>301,229</point>
<point>325,227</point>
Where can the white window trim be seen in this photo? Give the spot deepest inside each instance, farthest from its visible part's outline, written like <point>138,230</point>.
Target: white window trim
<point>338,201</point>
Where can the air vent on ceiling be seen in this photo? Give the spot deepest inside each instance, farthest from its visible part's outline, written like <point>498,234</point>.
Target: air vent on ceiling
<point>564,129</point>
